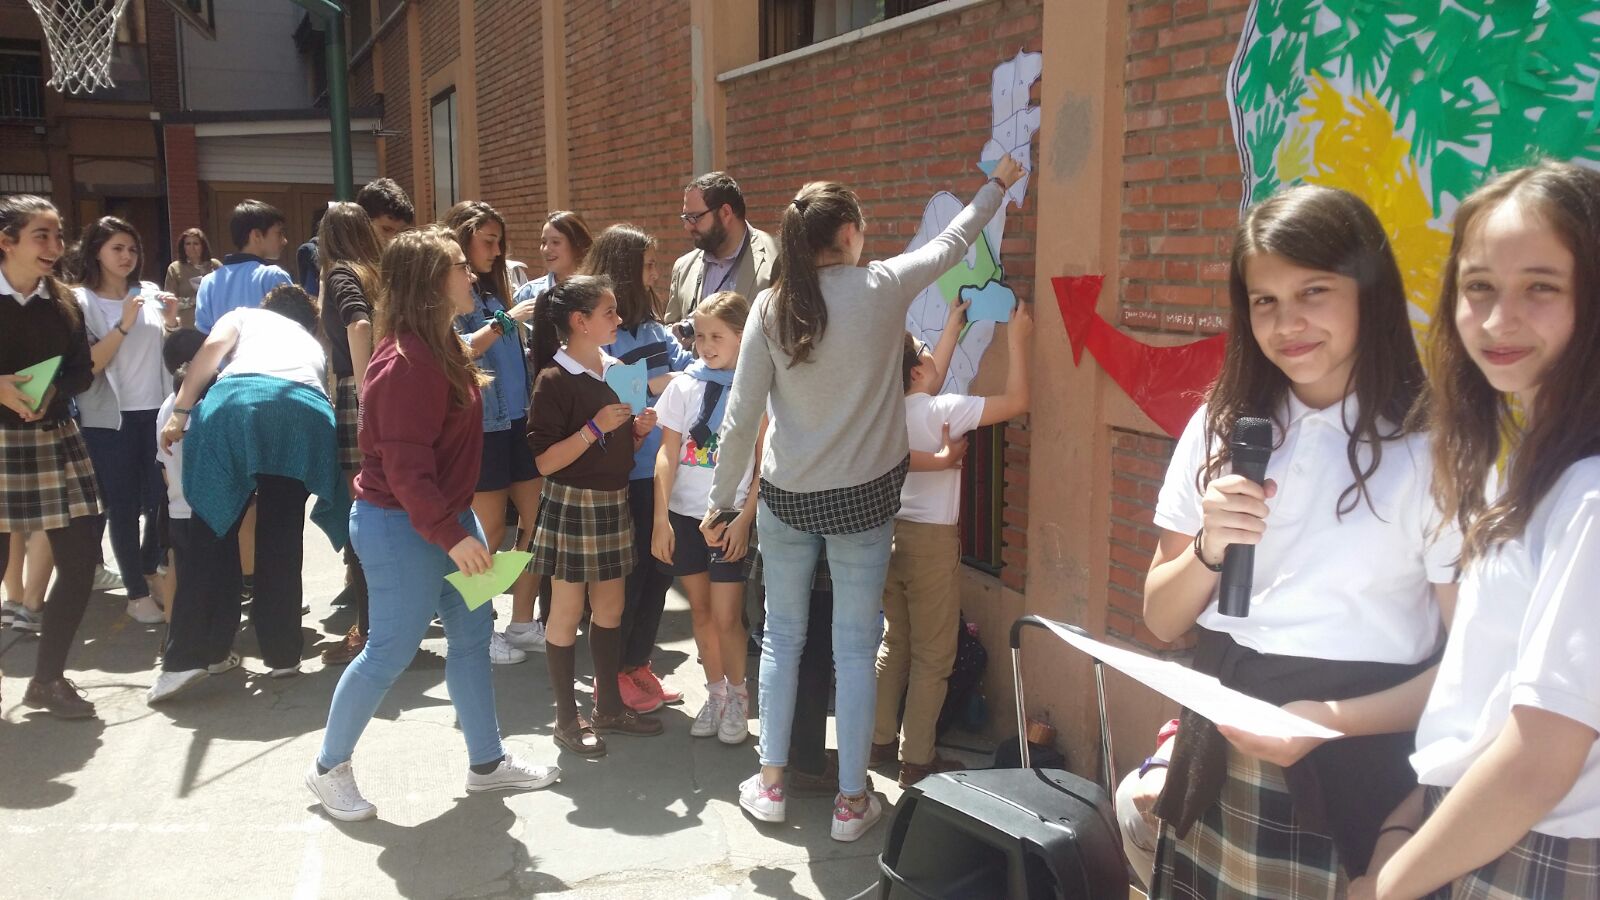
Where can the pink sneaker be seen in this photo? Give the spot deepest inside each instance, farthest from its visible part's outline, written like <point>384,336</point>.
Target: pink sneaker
<point>850,824</point>
<point>634,696</point>
<point>650,684</point>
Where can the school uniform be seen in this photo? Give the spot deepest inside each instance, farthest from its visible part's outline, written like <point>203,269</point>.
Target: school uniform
<point>47,482</point>
<point>506,457</point>
<point>693,407</point>
<point>584,531</point>
<point>347,303</point>
<point>1526,634</point>
<point>242,282</point>
<point>1341,607</point>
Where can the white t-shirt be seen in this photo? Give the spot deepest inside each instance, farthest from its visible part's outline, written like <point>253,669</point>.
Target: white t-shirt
<point>136,373</point>
<point>935,497</point>
<point>172,461</point>
<point>1354,588</point>
<point>691,488</point>
<point>270,344</point>
<point>1526,633</point>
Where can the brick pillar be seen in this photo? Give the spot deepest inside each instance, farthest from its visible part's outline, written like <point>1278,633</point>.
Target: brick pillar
<point>183,181</point>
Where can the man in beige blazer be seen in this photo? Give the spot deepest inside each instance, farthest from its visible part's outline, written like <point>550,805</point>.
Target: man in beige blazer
<point>728,254</point>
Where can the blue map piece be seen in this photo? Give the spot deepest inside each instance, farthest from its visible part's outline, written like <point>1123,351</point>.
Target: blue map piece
<point>987,166</point>
<point>631,382</point>
<point>992,302</point>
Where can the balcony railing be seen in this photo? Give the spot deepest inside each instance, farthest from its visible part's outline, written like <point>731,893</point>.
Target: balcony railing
<point>21,97</point>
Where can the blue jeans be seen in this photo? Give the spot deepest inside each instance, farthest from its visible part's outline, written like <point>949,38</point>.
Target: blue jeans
<point>859,564</point>
<point>130,482</point>
<point>406,587</point>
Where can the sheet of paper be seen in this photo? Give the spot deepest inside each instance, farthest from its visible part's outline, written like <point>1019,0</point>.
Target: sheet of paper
<point>477,589</point>
<point>632,384</point>
<point>1201,693</point>
<point>43,375</point>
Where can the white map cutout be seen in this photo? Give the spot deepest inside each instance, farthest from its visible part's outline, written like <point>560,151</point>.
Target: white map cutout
<point>981,275</point>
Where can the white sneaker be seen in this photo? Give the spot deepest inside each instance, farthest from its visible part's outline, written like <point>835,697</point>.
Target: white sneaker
<point>513,775</point>
<point>285,672</point>
<point>734,725</point>
<point>849,824</point>
<point>145,611</point>
<point>227,665</point>
<point>169,683</point>
<point>502,653</point>
<point>338,794</point>
<point>532,639</point>
<point>705,724</point>
<point>761,801</point>
<point>105,579</point>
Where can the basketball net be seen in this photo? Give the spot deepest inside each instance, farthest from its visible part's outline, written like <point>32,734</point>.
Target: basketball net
<point>80,34</point>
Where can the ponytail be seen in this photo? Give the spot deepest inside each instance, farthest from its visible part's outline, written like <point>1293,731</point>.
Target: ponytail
<point>811,224</point>
<point>553,311</point>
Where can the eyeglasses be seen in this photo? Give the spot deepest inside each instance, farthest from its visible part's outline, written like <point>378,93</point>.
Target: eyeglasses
<point>692,218</point>
<point>464,265</point>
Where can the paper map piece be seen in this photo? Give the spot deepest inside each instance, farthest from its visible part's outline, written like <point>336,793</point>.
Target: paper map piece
<point>477,589</point>
<point>42,376</point>
<point>980,277</point>
<point>631,382</point>
<point>1201,693</point>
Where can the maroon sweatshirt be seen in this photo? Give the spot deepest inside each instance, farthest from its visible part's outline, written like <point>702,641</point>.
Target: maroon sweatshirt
<point>419,451</point>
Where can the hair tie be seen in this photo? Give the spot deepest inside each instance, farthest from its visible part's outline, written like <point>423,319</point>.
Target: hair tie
<point>800,204</point>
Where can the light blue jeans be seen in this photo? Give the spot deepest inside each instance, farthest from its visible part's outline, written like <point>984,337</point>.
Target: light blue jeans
<point>405,581</point>
<point>859,564</point>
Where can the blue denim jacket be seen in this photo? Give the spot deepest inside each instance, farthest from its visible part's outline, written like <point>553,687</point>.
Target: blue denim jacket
<point>506,397</point>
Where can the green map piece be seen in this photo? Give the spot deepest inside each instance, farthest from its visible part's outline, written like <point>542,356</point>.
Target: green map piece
<point>964,276</point>
<point>42,376</point>
<point>477,589</point>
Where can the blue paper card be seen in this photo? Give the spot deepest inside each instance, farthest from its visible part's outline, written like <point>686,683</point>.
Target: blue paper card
<point>631,382</point>
<point>991,303</point>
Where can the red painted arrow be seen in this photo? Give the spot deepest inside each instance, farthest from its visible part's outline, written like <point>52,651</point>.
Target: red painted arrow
<point>1167,383</point>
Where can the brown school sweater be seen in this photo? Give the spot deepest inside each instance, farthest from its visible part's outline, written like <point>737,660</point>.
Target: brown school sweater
<point>562,403</point>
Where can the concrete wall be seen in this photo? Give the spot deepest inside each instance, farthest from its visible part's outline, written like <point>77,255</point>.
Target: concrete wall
<point>252,64</point>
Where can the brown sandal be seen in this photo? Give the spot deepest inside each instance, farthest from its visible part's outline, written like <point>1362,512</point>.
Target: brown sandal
<point>627,722</point>
<point>580,738</point>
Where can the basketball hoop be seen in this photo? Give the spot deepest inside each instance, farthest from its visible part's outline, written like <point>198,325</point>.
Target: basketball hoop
<point>81,35</point>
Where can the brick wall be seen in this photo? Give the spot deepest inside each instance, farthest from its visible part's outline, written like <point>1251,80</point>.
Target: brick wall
<point>899,117</point>
<point>441,33</point>
<point>183,183</point>
<point>511,171</point>
<point>161,36</point>
<point>629,94</point>
<point>397,110</point>
<point>1180,202</point>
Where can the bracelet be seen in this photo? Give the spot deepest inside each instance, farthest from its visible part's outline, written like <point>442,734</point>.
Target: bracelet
<point>1405,828</point>
<point>120,329</point>
<point>179,411</point>
<point>1201,556</point>
<point>599,436</point>
<point>506,323</point>
<point>584,433</point>
<point>1152,762</point>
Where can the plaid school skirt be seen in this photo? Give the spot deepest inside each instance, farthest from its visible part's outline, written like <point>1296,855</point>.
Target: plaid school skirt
<point>1538,866</point>
<point>347,423</point>
<point>1247,845</point>
<point>46,479</point>
<point>583,535</point>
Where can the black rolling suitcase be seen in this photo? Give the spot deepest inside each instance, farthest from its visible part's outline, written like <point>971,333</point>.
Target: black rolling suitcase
<point>1031,834</point>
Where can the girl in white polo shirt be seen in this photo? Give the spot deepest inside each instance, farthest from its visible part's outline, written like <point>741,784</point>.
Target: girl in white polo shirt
<point>1344,622</point>
<point>1506,753</point>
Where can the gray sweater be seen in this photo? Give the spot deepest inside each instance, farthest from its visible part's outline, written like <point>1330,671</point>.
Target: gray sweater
<point>838,419</point>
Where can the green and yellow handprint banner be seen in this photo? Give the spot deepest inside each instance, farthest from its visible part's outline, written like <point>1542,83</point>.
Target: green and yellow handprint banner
<point>1411,104</point>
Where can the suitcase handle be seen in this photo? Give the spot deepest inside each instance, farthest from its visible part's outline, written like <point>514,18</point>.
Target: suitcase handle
<point>1107,773</point>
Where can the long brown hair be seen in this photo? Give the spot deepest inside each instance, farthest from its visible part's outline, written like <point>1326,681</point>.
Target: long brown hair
<point>346,238</point>
<point>1473,424</point>
<point>1331,231</point>
<point>810,224</point>
<point>464,219</point>
<point>16,211</point>
<point>412,284</point>
<point>552,317</point>
<point>205,246</point>
<point>618,254</point>
<point>574,229</point>
<point>84,258</point>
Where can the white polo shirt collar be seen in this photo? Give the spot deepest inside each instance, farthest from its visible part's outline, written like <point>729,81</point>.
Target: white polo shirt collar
<point>577,368</point>
<point>21,298</point>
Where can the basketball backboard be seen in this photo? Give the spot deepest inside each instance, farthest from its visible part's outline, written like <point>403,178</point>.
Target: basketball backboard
<point>201,14</point>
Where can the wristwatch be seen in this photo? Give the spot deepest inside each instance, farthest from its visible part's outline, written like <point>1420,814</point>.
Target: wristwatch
<point>1152,762</point>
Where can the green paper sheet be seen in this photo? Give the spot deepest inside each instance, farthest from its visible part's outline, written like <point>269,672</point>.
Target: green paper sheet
<point>477,589</point>
<point>44,375</point>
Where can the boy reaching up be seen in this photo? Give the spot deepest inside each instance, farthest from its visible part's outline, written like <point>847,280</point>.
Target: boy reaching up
<point>245,276</point>
<point>922,597</point>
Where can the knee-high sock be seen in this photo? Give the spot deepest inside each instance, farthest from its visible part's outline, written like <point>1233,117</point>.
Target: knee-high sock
<point>605,647</point>
<point>563,666</point>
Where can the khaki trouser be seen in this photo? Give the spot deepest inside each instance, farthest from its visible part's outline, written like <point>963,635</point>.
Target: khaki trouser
<point>921,609</point>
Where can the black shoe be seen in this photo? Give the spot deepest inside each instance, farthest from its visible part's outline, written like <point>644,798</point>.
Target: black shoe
<point>61,698</point>
<point>247,591</point>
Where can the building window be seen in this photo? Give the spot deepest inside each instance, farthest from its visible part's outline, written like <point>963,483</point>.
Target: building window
<point>446,174</point>
<point>791,24</point>
<point>130,63</point>
<point>982,491</point>
<point>21,81</point>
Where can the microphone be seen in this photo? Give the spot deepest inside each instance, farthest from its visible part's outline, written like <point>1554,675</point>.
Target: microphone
<point>1251,447</point>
